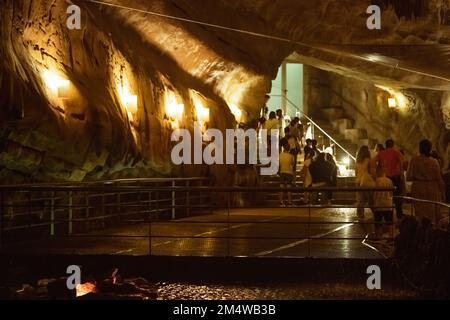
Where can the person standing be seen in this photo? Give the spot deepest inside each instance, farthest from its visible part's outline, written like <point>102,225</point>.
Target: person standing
<point>286,173</point>
<point>281,123</point>
<point>271,124</point>
<point>363,180</point>
<point>427,182</point>
<point>392,161</point>
<point>382,202</point>
<point>308,148</point>
<point>265,108</point>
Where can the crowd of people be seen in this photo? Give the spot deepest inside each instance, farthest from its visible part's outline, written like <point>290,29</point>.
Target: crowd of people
<point>384,168</point>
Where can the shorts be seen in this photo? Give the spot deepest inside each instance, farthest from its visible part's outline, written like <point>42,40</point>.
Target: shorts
<point>286,179</point>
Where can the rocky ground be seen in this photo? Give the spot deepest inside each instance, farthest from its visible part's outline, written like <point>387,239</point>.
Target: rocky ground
<point>138,288</point>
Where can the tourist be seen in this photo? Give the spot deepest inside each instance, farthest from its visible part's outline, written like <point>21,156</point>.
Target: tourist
<point>446,178</point>
<point>265,108</point>
<point>315,152</point>
<point>281,123</point>
<point>333,183</point>
<point>363,180</point>
<point>286,173</point>
<point>306,175</point>
<point>308,148</point>
<point>392,161</point>
<point>427,182</point>
<point>271,124</point>
<point>321,172</point>
<point>382,202</point>
<point>294,140</point>
<point>294,130</point>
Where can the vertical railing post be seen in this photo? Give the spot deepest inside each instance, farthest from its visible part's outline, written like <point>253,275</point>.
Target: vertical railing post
<point>149,223</point>
<point>173,199</point>
<point>187,202</point>
<point>52,214</point>
<point>228,223</point>
<point>87,212</point>
<point>30,222</point>
<point>119,205</point>
<point>70,203</point>
<point>2,218</point>
<point>309,224</point>
<point>103,205</point>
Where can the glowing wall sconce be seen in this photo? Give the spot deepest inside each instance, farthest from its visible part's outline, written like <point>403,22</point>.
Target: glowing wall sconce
<point>202,112</point>
<point>236,112</point>
<point>58,86</point>
<point>174,110</point>
<point>130,102</point>
<point>392,103</point>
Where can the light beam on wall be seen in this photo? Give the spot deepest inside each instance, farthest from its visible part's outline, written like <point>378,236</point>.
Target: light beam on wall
<point>392,103</point>
<point>174,109</point>
<point>56,84</point>
<point>236,112</point>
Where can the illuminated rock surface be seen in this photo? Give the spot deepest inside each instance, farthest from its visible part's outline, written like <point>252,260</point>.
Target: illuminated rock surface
<point>90,134</point>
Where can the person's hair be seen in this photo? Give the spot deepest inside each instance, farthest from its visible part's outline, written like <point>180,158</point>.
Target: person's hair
<point>272,115</point>
<point>286,130</point>
<point>294,121</point>
<point>363,153</point>
<point>314,142</point>
<point>267,97</point>
<point>308,141</point>
<point>262,120</point>
<point>329,157</point>
<point>425,147</point>
<point>379,147</point>
<point>320,156</point>
<point>389,143</point>
<point>286,146</point>
<point>279,111</point>
<point>297,119</point>
<point>380,171</point>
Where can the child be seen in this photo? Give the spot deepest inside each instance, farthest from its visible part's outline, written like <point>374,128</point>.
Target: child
<point>382,201</point>
<point>286,172</point>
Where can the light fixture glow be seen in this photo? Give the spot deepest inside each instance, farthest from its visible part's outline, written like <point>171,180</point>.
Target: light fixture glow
<point>129,100</point>
<point>173,108</point>
<point>202,112</point>
<point>392,103</point>
<point>236,112</point>
<point>57,85</point>
<point>346,161</point>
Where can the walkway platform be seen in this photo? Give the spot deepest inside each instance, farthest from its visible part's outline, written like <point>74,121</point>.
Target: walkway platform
<point>261,232</point>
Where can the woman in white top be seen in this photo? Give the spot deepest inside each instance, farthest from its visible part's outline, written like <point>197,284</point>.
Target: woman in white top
<point>363,179</point>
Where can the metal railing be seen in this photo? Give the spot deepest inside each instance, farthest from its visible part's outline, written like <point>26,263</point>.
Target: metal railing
<point>435,211</point>
<point>130,213</point>
<point>315,125</point>
<point>57,207</point>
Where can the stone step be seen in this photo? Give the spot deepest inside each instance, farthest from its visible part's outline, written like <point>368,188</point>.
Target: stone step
<point>331,113</point>
<point>343,124</point>
<point>355,134</point>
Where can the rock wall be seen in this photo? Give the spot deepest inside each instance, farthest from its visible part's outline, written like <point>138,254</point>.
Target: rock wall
<point>92,135</point>
<point>421,116</point>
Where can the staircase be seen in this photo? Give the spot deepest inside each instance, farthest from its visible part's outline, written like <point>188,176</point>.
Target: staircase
<point>341,128</point>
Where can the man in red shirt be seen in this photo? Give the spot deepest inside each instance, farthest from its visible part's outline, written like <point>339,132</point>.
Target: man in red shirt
<point>392,161</point>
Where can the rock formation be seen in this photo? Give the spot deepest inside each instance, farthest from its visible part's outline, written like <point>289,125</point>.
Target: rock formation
<point>121,55</point>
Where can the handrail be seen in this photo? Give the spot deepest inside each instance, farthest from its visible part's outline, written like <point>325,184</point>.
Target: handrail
<point>426,201</point>
<point>315,124</point>
<point>106,182</point>
<point>183,188</point>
